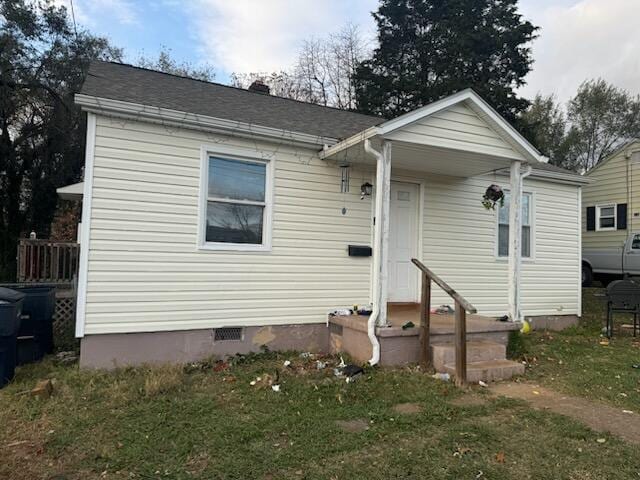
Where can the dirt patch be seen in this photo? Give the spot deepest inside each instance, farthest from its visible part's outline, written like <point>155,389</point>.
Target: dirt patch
<point>353,426</point>
<point>469,400</point>
<point>596,416</point>
<point>407,408</point>
<point>197,463</point>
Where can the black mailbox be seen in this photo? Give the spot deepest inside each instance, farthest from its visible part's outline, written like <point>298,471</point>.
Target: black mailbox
<point>359,251</point>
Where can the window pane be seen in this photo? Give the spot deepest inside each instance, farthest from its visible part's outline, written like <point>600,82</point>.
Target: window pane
<point>635,244</point>
<point>607,212</point>
<point>234,223</point>
<point>236,179</point>
<point>526,241</point>
<point>503,213</point>
<point>503,240</point>
<point>526,212</point>
<point>607,222</point>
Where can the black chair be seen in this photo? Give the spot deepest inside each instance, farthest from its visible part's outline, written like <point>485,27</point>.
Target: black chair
<point>623,296</point>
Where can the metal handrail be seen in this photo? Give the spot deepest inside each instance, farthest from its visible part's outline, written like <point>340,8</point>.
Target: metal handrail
<point>462,306</point>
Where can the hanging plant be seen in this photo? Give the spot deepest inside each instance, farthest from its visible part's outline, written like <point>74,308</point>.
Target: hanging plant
<point>493,195</point>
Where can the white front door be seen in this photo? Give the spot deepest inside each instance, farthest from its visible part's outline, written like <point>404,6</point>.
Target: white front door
<point>403,242</point>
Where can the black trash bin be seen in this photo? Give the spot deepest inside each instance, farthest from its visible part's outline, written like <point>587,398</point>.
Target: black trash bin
<point>35,337</point>
<point>11,303</point>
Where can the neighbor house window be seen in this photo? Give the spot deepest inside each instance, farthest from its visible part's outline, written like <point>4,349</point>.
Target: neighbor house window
<point>606,217</point>
<point>503,226</point>
<point>237,204</point>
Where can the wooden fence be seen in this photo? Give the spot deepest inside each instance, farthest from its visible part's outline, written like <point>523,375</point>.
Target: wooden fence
<point>47,261</point>
<point>53,263</point>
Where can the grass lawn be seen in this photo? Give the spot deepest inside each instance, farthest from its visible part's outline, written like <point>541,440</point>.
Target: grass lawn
<point>578,362</point>
<point>208,422</point>
<point>202,423</point>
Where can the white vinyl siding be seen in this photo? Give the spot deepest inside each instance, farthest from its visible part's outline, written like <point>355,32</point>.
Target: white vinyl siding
<point>146,272</point>
<point>460,128</point>
<point>459,244</point>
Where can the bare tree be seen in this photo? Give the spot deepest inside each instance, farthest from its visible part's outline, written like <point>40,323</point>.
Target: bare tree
<point>165,62</point>
<point>282,84</point>
<point>324,71</point>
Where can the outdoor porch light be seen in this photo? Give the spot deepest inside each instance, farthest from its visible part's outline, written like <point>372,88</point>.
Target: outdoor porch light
<point>365,190</point>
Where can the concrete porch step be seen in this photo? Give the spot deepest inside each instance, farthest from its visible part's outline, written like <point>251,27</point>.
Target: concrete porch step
<point>477,351</point>
<point>489,370</point>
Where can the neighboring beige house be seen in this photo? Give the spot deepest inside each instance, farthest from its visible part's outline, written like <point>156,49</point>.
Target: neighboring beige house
<point>611,202</point>
<point>218,219</point>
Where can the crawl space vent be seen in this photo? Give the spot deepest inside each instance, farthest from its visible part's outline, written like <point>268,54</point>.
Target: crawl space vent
<point>227,333</point>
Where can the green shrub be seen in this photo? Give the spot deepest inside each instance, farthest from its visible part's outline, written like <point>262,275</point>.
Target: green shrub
<point>517,346</point>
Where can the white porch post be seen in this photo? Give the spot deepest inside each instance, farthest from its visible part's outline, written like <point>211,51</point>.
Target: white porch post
<point>515,239</point>
<point>381,232</point>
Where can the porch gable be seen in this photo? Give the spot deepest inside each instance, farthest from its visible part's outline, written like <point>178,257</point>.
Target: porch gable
<point>457,127</point>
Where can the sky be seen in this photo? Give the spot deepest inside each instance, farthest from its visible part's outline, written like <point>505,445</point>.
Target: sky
<point>578,40</point>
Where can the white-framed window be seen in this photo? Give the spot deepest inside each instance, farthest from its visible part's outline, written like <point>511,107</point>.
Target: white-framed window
<point>527,226</point>
<point>606,217</point>
<point>235,206</point>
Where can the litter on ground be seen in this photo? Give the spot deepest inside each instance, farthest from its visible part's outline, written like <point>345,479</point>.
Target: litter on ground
<point>349,372</point>
<point>442,309</point>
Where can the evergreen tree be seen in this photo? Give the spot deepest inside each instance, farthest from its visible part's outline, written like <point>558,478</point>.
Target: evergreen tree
<point>432,48</point>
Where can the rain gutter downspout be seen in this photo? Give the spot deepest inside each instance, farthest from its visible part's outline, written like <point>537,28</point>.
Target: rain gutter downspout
<point>515,238</point>
<point>526,173</point>
<point>377,234</point>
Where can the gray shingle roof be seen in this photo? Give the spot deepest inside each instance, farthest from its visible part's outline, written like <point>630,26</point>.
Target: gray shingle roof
<point>553,168</point>
<point>127,83</point>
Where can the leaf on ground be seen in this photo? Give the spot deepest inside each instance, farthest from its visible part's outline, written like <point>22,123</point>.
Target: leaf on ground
<point>460,451</point>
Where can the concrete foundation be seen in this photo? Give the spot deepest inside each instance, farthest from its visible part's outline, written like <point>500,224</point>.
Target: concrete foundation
<point>400,346</point>
<point>122,349</point>
<point>553,322</point>
<point>344,334</point>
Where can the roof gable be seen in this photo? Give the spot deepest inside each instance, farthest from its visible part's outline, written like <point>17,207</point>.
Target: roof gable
<point>630,145</point>
<point>456,126</point>
<point>465,116</point>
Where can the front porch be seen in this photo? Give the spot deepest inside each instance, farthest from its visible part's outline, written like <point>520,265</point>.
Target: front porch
<point>425,165</point>
<point>486,341</point>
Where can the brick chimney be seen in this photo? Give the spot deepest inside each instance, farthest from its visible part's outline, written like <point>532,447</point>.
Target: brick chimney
<point>259,86</point>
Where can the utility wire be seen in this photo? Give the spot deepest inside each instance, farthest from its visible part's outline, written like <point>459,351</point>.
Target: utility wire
<point>73,17</point>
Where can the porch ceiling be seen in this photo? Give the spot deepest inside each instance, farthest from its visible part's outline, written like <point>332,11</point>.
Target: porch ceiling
<point>71,192</point>
<point>426,158</point>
